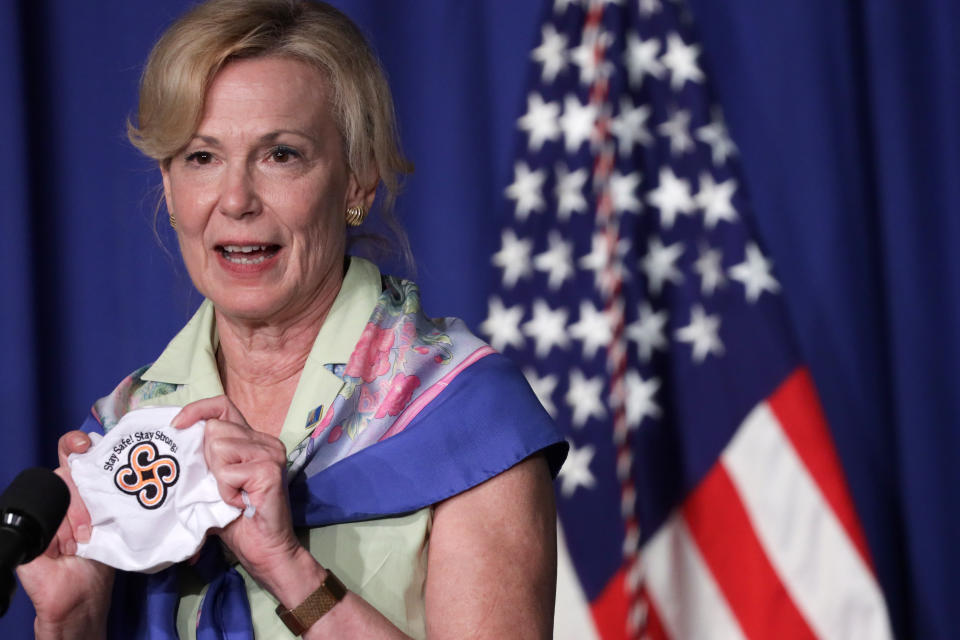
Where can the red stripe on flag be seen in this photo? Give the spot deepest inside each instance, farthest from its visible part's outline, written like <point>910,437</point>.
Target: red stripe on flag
<point>797,408</point>
<point>610,608</point>
<point>721,529</point>
<point>654,630</point>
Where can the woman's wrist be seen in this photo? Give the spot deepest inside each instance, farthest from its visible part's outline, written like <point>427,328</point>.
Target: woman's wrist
<point>82,618</point>
<point>291,582</point>
<point>81,626</point>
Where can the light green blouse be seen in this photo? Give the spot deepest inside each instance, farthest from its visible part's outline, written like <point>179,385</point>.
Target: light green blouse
<point>383,561</point>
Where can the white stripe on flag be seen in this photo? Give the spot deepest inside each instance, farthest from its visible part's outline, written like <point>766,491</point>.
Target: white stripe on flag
<point>682,589</point>
<point>571,619</point>
<point>805,542</point>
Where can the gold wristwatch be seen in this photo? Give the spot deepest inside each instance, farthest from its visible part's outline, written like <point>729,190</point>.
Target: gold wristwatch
<point>299,619</point>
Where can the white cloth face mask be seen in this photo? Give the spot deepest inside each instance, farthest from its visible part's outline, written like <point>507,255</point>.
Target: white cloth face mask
<point>148,490</point>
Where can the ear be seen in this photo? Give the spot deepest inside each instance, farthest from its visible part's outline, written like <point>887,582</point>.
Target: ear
<point>361,190</point>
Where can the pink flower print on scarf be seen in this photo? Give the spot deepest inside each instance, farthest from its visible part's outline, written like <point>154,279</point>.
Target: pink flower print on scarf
<point>368,400</point>
<point>335,433</point>
<point>398,396</point>
<point>371,357</point>
<point>405,339</point>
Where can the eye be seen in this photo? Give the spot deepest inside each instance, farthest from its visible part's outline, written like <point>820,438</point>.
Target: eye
<point>283,154</point>
<point>199,157</point>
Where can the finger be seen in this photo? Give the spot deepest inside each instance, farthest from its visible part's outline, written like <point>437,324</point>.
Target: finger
<point>225,445</point>
<point>230,494</point>
<point>218,428</point>
<point>66,544</point>
<point>63,542</point>
<point>53,549</point>
<point>235,461</point>
<point>77,515</point>
<point>72,442</point>
<point>219,408</point>
<point>78,518</point>
<point>258,479</point>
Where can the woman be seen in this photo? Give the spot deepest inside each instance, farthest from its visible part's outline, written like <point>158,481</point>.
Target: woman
<point>418,462</point>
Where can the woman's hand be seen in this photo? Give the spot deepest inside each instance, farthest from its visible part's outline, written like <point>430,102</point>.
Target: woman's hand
<point>242,459</point>
<point>71,595</point>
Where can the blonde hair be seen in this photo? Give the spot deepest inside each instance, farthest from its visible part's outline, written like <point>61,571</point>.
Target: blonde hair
<point>189,54</point>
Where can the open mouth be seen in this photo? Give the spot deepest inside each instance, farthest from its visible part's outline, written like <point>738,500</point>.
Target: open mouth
<point>248,254</point>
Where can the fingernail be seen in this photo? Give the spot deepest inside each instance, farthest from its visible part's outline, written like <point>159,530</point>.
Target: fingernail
<point>70,548</point>
<point>175,423</point>
<point>83,533</point>
<point>78,441</point>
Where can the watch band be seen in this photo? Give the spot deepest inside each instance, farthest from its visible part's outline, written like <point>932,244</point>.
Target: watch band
<point>300,618</point>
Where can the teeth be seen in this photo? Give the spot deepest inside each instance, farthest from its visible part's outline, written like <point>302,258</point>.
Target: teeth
<point>245,260</point>
<point>232,248</point>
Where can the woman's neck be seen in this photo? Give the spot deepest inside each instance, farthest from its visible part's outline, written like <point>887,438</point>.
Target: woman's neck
<point>260,363</point>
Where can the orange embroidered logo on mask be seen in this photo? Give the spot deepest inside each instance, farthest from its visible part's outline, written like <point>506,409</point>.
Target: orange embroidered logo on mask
<point>147,475</point>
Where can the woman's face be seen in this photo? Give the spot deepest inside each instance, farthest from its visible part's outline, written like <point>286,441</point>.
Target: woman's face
<point>261,191</point>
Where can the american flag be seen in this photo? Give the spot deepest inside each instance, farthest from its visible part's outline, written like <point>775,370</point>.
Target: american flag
<point>702,497</point>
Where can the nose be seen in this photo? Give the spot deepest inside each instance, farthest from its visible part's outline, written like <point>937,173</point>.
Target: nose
<point>238,192</point>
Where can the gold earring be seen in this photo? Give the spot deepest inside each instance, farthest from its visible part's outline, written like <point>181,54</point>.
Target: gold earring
<point>173,221</point>
<point>355,216</point>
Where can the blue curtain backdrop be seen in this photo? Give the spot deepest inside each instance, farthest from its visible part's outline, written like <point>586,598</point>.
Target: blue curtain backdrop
<point>845,114</point>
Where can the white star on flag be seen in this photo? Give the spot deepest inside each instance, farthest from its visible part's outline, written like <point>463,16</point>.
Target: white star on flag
<point>540,121</point>
<point>547,328</point>
<point>575,472</point>
<point>660,266</point>
<point>701,334</point>
<point>640,398</point>
<point>605,261</point>
<point>569,191</point>
<point>560,6</point>
<point>592,329</point>
<point>543,388</point>
<point>503,325</point>
<point>585,55</point>
<point>681,60</point>
<point>557,260</point>
<point>672,196</point>
<point>525,189</point>
<point>584,397</point>
<point>513,257</point>
<point>623,191</point>
<point>650,7</point>
<point>552,53</point>
<point>708,265</point>
<point>755,274</point>
<point>715,200</point>
<point>630,127</point>
<point>677,128</point>
<point>577,122</point>
<point>641,58</point>
<point>715,134</point>
<point>648,331</point>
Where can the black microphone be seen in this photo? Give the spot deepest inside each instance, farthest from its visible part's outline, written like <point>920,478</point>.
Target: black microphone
<point>31,510</point>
